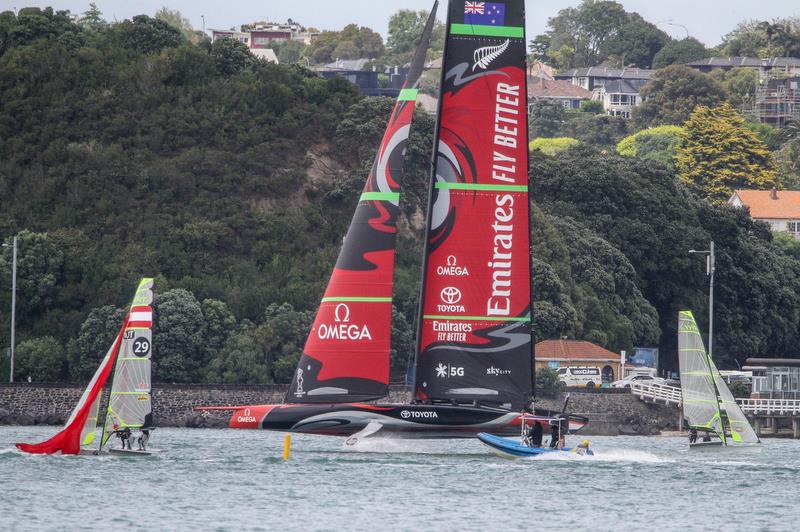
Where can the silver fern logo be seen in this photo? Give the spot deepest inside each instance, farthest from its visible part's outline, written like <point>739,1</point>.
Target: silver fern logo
<point>483,57</point>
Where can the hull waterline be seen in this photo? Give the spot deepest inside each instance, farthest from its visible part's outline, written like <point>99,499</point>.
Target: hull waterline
<point>399,421</point>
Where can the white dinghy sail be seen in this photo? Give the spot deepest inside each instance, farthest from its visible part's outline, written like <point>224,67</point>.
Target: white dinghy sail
<point>708,404</point>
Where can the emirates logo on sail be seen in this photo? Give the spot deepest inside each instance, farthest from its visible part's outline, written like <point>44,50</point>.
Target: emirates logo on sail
<point>342,329</point>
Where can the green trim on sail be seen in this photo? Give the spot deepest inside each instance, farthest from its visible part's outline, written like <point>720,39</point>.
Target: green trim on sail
<point>380,196</point>
<point>481,186</point>
<point>357,299</point>
<point>516,32</point>
<point>407,95</point>
<point>472,318</point>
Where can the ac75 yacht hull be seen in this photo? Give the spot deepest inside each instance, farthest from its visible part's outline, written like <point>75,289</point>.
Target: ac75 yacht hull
<point>401,421</point>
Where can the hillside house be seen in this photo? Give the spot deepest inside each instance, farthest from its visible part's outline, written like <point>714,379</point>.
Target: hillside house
<point>261,35</point>
<point>621,96</point>
<point>559,91</point>
<point>617,88</point>
<point>564,353</point>
<point>785,66</point>
<point>779,208</point>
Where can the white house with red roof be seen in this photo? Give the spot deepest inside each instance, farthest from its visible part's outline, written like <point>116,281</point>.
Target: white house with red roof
<point>779,208</point>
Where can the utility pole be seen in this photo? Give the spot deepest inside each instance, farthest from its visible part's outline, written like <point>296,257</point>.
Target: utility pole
<point>13,301</point>
<point>710,269</point>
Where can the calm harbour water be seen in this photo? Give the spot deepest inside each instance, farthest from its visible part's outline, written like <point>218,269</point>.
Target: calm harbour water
<point>233,480</point>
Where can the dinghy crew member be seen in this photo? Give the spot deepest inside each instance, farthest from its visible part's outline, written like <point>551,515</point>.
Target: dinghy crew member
<point>693,435</point>
<point>125,436</point>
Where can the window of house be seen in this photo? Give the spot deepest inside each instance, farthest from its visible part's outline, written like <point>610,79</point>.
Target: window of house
<point>793,227</point>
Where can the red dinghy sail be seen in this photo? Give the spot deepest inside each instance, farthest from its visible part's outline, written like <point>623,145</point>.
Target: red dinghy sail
<point>346,355</point>
<point>80,427</point>
<point>82,421</point>
<point>475,340</point>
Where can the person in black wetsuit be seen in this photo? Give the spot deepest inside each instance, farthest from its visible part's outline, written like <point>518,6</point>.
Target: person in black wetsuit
<point>693,435</point>
<point>707,436</point>
<point>535,435</point>
<point>125,436</point>
<point>555,434</point>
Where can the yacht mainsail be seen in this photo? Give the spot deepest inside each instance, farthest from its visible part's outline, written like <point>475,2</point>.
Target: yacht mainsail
<point>474,341</point>
<point>80,427</point>
<point>346,355</point>
<point>708,404</point>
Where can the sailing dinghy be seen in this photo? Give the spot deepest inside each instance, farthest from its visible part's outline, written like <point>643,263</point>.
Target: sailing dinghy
<point>708,405</point>
<point>474,360</point>
<point>129,403</point>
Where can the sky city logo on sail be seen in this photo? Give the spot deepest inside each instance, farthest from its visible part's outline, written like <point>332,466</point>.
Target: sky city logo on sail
<point>450,296</point>
<point>343,329</point>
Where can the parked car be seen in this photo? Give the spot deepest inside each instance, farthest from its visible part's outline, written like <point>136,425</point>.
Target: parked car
<point>580,376</point>
<point>643,379</point>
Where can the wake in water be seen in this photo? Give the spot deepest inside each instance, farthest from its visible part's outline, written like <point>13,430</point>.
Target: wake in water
<point>604,455</point>
<point>403,446</point>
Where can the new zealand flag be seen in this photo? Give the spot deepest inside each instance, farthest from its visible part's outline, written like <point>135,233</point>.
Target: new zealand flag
<point>485,13</point>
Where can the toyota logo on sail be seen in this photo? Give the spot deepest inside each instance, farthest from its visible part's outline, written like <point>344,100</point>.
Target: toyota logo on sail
<point>450,295</point>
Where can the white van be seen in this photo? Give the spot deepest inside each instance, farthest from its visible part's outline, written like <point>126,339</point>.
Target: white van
<point>580,376</point>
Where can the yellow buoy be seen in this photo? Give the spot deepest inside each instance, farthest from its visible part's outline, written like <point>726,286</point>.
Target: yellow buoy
<point>287,446</point>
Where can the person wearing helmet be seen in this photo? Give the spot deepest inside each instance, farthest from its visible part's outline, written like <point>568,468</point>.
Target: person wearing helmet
<point>583,448</point>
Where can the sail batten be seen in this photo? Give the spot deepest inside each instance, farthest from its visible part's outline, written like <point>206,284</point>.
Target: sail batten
<point>474,339</point>
<point>346,355</point>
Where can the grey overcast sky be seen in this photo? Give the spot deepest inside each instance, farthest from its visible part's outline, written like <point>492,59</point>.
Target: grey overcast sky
<point>707,20</point>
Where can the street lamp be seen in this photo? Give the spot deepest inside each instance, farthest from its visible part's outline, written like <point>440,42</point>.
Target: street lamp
<point>710,267</point>
<point>673,23</point>
<point>204,23</point>
<point>13,301</point>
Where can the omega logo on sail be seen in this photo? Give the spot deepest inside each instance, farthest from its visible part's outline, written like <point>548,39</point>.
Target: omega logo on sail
<point>452,268</point>
<point>342,329</point>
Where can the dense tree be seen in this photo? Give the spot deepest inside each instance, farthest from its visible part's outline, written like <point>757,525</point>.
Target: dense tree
<point>93,18</point>
<point>779,38</point>
<point>680,53</point>
<point>635,44</point>
<point>178,337</point>
<point>231,56</point>
<point>740,85</point>
<point>672,94</point>
<point>718,154</point>
<point>545,119</point>
<point>656,144</point>
<point>94,339</point>
<point>551,146</point>
<point>599,130</point>
<point>40,360</point>
<point>547,383</point>
<point>352,42</point>
<point>241,360</point>
<point>787,159</point>
<point>146,35</point>
<point>289,51</point>
<point>577,35</point>
<point>405,30</point>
